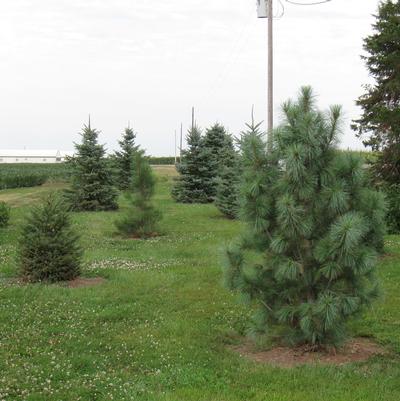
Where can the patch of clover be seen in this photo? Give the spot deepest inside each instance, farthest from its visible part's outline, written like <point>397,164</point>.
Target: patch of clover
<point>130,264</point>
<point>6,252</point>
<point>392,242</point>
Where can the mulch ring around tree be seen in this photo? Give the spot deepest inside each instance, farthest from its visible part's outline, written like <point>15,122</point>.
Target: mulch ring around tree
<point>355,350</point>
<point>85,282</point>
<point>144,237</point>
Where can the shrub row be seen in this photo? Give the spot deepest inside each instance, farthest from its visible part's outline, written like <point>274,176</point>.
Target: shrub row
<point>52,171</point>
<point>21,180</point>
<point>157,161</point>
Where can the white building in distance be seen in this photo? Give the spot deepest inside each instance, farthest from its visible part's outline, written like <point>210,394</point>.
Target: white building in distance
<point>34,156</point>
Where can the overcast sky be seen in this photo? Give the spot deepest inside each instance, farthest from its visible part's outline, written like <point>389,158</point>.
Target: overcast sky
<point>149,61</point>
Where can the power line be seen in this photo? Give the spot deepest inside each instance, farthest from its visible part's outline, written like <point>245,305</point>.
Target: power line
<point>232,56</point>
<point>307,4</point>
<point>282,13</point>
<point>266,11</point>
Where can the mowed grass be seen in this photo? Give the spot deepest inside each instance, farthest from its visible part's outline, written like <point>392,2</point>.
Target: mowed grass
<point>160,326</point>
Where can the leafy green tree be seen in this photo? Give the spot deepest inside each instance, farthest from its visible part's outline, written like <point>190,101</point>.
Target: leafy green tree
<point>141,219</point>
<point>124,159</point>
<point>91,176</point>
<point>380,120</point>
<point>392,193</point>
<point>49,247</point>
<point>227,191</point>
<point>195,176</point>
<point>315,227</point>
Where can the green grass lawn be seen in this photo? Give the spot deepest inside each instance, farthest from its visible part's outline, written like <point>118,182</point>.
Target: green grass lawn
<point>159,327</point>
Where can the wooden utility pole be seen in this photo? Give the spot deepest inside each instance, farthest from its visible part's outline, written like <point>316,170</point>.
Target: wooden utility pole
<point>175,147</point>
<point>270,73</point>
<point>180,148</point>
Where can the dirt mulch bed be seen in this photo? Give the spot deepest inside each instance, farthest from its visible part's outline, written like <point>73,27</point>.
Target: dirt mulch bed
<point>85,282</point>
<point>143,238</point>
<point>356,350</point>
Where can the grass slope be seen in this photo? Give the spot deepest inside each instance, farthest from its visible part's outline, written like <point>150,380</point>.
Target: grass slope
<point>158,328</point>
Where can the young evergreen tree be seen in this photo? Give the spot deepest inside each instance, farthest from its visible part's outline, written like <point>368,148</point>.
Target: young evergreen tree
<point>214,142</point>
<point>124,159</point>
<point>49,247</point>
<point>4,214</point>
<point>380,120</point>
<point>195,177</point>
<point>314,228</point>
<point>227,191</point>
<point>91,176</point>
<point>141,219</point>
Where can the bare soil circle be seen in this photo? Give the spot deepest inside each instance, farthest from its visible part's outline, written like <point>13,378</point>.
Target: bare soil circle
<point>355,350</point>
<point>85,282</point>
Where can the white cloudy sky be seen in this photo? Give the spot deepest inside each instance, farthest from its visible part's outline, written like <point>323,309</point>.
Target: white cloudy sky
<point>149,61</point>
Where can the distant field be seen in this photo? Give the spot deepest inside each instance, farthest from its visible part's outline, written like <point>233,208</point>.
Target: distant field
<point>368,156</point>
<point>165,171</point>
<point>21,175</point>
<point>168,160</point>
<point>12,174</point>
<point>30,175</point>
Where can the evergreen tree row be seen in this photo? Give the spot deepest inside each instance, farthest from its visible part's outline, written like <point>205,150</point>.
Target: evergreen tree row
<point>208,170</point>
<point>94,179</point>
<point>50,248</point>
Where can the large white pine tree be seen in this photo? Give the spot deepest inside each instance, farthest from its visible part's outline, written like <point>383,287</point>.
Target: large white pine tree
<point>314,228</point>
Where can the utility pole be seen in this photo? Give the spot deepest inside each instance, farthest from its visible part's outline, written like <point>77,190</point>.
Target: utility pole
<point>175,147</point>
<point>180,148</point>
<point>270,73</point>
<point>265,10</point>
<point>193,118</point>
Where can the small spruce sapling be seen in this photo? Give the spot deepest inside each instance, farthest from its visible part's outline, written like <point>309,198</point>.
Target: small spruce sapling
<point>125,158</point>
<point>214,142</point>
<point>195,180</point>
<point>49,248</point>
<point>91,177</point>
<point>314,228</point>
<point>141,219</point>
<point>227,190</point>
<point>4,214</point>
